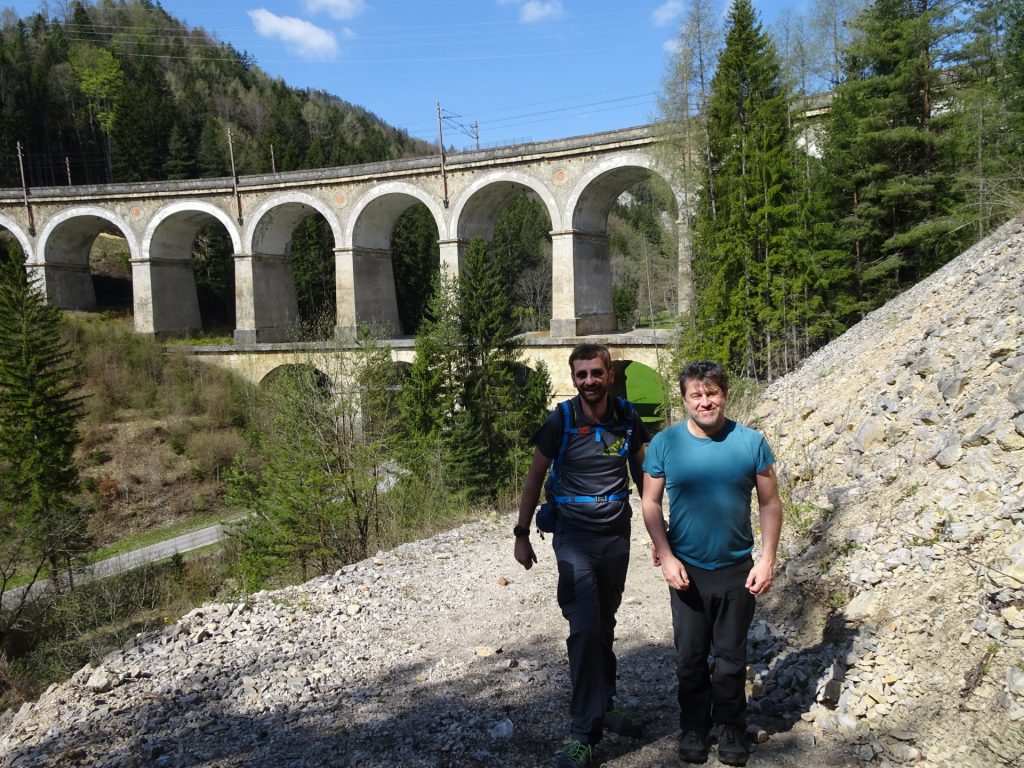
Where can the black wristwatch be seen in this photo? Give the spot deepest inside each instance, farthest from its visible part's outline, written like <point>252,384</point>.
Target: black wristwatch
<point>519,531</point>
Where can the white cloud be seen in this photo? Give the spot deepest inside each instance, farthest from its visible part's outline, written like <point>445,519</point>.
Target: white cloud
<point>672,46</point>
<point>536,10</point>
<point>336,9</point>
<point>303,38</point>
<point>667,12</point>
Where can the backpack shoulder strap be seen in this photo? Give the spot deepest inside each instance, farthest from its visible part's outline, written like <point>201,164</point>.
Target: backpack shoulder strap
<point>625,413</point>
<point>568,426</point>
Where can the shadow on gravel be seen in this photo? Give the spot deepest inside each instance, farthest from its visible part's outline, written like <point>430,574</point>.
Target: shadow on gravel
<point>509,709</point>
<point>410,715</point>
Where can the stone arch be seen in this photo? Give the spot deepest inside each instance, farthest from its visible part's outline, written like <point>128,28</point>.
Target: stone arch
<point>596,191</point>
<point>266,304</point>
<point>16,231</point>
<point>581,274</point>
<point>364,268</point>
<point>170,232</point>
<point>170,304</point>
<point>62,255</point>
<point>375,213</point>
<point>323,382</point>
<point>270,226</point>
<point>478,206</point>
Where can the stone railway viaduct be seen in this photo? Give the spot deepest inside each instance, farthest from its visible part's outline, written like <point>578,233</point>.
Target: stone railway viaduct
<point>577,180</point>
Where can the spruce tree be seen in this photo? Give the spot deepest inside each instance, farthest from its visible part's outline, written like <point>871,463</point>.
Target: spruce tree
<point>983,117</point>
<point>468,390</point>
<point>884,151</point>
<point>746,251</point>
<point>430,393</point>
<point>39,415</point>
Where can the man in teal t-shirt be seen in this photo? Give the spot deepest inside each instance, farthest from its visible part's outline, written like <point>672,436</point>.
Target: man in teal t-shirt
<point>710,465</point>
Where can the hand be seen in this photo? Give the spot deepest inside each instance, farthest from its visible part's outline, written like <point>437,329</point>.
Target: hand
<point>675,572</point>
<point>525,555</point>
<point>759,580</point>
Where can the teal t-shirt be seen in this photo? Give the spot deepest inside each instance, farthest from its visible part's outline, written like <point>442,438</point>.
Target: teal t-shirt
<point>709,480</point>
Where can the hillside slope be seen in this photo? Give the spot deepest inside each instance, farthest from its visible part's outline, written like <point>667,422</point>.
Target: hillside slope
<point>903,448</point>
<point>899,598</point>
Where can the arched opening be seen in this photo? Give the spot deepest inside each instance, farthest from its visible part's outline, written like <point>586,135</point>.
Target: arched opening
<point>643,387</point>
<point>516,223</point>
<point>191,272</point>
<point>307,378</point>
<point>86,262</point>
<point>213,264</point>
<point>110,266</point>
<point>10,248</point>
<point>644,248</point>
<point>312,258</point>
<point>394,258</point>
<point>624,249</point>
<point>292,273</point>
<point>416,261</point>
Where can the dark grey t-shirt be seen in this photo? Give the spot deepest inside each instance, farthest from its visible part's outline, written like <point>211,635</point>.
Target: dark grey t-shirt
<point>591,465</point>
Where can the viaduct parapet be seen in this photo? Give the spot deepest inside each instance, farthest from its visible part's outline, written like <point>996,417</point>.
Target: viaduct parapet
<point>577,180</point>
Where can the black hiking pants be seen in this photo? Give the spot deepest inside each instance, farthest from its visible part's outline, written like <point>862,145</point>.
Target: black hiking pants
<point>712,618</point>
<point>591,577</point>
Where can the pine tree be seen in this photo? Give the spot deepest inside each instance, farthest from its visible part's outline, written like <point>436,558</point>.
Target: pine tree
<point>39,414</point>
<point>430,394</point>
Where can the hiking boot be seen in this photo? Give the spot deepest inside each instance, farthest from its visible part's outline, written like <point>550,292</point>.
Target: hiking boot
<point>732,745</point>
<point>575,755</point>
<point>621,722</point>
<point>693,748</point>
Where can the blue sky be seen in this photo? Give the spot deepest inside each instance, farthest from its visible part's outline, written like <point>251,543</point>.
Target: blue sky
<point>519,69</point>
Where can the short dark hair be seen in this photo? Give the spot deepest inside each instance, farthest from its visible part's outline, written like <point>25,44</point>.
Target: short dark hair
<point>589,352</point>
<point>704,371</point>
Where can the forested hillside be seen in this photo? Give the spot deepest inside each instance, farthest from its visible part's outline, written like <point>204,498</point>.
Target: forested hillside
<point>122,91</point>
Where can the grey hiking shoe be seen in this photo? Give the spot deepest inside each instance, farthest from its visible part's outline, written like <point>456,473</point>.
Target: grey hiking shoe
<point>621,722</point>
<point>576,754</point>
<point>693,748</point>
<point>732,745</point>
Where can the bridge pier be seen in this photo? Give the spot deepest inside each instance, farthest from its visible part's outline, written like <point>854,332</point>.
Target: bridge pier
<point>365,290</point>
<point>452,253</point>
<point>684,238</point>
<point>581,284</point>
<point>265,305</point>
<point>68,286</point>
<point>164,297</point>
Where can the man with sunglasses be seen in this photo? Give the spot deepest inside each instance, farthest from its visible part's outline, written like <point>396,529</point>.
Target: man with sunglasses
<point>599,441</point>
<point>710,465</point>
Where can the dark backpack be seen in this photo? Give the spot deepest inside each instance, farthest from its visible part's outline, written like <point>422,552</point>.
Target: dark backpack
<point>623,412</point>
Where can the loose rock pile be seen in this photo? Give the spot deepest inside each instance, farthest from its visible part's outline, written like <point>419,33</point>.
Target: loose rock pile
<point>903,457</point>
<point>893,635</point>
